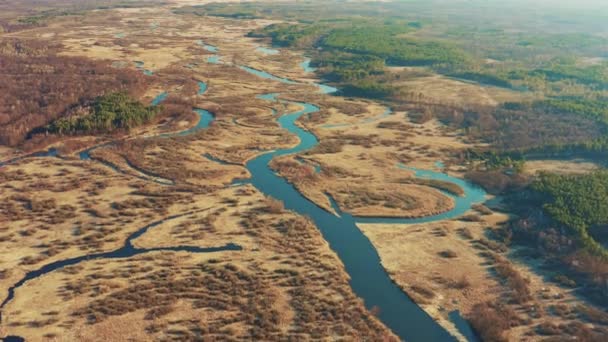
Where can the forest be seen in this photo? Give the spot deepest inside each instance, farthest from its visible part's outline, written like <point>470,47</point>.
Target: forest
<point>383,41</point>
<point>561,222</point>
<point>38,86</point>
<point>579,203</point>
<point>534,53</point>
<point>559,216</point>
<point>354,53</point>
<point>106,113</point>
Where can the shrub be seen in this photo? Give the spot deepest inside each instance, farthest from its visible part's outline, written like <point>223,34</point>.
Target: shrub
<point>273,206</point>
<point>424,291</point>
<point>448,254</point>
<point>518,284</point>
<point>564,281</point>
<point>461,283</point>
<point>490,321</point>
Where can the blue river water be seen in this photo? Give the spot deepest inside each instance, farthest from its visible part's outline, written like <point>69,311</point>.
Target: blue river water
<point>473,194</point>
<point>267,51</point>
<point>326,89</point>
<point>266,75</point>
<point>205,119</point>
<point>207,47</point>
<point>306,66</point>
<point>316,167</point>
<point>159,98</point>
<point>202,88</point>
<point>140,65</point>
<point>268,97</point>
<point>52,152</point>
<point>463,326</point>
<point>215,59</point>
<point>323,88</point>
<point>126,251</point>
<point>368,279</point>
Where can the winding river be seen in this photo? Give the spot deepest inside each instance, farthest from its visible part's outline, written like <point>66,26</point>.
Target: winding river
<point>323,88</point>
<point>126,251</point>
<point>368,279</point>
<point>267,51</point>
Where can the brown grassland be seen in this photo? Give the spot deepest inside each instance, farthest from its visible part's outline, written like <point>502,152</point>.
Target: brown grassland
<point>286,283</point>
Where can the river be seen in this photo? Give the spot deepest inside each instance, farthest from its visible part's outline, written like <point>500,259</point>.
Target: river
<point>368,279</point>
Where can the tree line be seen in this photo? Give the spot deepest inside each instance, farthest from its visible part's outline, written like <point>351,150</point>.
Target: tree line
<point>38,86</point>
<point>107,113</point>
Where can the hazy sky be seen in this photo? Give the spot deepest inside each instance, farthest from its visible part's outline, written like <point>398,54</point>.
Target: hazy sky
<point>566,4</point>
<point>569,4</point>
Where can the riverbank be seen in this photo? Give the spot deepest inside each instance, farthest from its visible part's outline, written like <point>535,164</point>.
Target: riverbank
<point>442,272</point>
<point>94,206</point>
<point>371,244</point>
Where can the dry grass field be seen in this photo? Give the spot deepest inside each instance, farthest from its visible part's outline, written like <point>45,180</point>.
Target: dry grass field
<point>285,283</point>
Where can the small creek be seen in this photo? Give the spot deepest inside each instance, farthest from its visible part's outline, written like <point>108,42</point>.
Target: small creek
<point>267,51</point>
<point>207,47</point>
<point>52,152</point>
<point>472,195</point>
<point>205,119</point>
<point>323,88</point>
<point>215,59</point>
<point>126,251</point>
<point>140,65</point>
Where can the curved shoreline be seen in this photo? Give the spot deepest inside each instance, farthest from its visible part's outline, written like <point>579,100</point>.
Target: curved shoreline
<point>126,251</point>
<point>368,279</point>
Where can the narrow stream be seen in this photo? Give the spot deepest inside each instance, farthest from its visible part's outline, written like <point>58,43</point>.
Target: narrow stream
<point>202,88</point>
<point>267,51</point>
<point>306,66</point>
<point>473,194</point>
<point>52,152</point>
<point>207,47</point>
<point>205,119</point>
<point>215,59</point>
<point>140,65</point>
<point>126,251</point>
<point>323,88</point>
<point>266,75</point>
